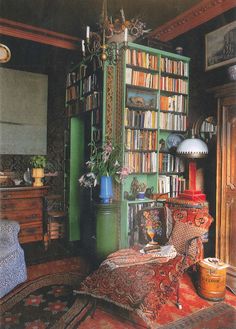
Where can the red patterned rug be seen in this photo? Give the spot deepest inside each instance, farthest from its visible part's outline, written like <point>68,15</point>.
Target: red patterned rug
<point>218,316</point>
<point>72,264</point>
<point>49,302</point>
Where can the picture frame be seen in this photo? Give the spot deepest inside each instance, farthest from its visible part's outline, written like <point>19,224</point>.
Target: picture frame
<point>141,99</point>
<point>220,48</point>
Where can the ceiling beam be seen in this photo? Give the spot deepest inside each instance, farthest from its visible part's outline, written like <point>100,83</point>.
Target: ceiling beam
<point>36,34</point>
<point>195,16</point>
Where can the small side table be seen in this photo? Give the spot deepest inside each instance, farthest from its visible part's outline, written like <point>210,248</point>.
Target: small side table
<point>212,279</point>
<point>107,228</point>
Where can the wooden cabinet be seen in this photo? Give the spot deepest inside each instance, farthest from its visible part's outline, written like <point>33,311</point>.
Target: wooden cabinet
<point>25,205</point>
<point>226,180</point>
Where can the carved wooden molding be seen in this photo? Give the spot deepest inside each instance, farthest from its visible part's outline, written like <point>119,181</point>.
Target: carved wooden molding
<point>197,15</point>
<point>33,33</point>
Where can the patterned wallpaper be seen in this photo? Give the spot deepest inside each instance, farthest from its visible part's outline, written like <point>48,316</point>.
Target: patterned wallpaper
<point>55,136</point>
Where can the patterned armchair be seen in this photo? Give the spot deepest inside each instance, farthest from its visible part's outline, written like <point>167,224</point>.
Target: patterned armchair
<point>142,282</point>
<point>12,261</point>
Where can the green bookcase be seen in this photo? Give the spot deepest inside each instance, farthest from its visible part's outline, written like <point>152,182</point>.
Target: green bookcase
<point>141,101</point>
<point>87,101</point>
<point>155,87</point>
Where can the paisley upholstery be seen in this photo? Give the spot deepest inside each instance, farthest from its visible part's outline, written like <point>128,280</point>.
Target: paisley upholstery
<point>12,260</point>
<point>141,282</point>
<point>141,285</point>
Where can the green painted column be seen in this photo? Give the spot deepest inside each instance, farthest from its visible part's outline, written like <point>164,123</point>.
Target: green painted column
<point>76,164</point>
<point>107,229</point>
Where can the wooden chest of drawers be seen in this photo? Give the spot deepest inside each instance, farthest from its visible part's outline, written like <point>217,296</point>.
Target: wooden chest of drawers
<point>25,205</point>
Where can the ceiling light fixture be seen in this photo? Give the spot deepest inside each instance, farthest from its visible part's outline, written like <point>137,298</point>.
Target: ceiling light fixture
<point>112,32</point>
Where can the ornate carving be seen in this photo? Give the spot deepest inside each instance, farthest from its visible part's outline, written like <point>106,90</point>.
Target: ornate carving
<point>197,15</point>
<point>109,101</point>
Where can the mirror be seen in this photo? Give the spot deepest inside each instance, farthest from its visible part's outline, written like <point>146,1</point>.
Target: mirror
<point>205,128</point>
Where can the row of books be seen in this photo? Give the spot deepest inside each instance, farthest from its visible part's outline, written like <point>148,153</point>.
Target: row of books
<point>96,117</point>
<point>55,230</point>
<point>207,127</point>
<point>141,162</point>
<point>140,119</point>
<point>92,101</point>
<point>144,140</point>
<point>72,93</point>
<point>176,103</point>
<point>74,108</point>
<point>174,67</point>
<point>170,163</point>
<point>72,78</point>
<point>142,79</point>
<point>97,135</point>
<point>133,224</point>
<point>174,85</point>
<point>173,121</point>
<point>172,184</point>
<point>90,84</point>
<point>142,59</point>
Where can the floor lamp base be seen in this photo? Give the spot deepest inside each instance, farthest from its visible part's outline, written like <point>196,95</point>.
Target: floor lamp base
<point>193,195</point>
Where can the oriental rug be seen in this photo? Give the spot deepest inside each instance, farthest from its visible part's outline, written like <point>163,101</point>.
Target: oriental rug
<point>49,302</point>
<point>218,316</point>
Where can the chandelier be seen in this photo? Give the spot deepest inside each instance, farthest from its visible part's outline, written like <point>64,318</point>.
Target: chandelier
<point>112,32</point>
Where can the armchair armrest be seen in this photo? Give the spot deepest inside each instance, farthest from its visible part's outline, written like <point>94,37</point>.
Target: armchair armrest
<point>9,230</point>
<point>197,246</point>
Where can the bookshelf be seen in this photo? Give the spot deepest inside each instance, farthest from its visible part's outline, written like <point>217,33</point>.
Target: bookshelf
<point>154,86</point>
<point>139,102</point>
<point>89,101</point>
<point>83,107</point>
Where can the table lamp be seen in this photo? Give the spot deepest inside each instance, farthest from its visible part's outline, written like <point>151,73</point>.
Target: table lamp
<point>192,148</point>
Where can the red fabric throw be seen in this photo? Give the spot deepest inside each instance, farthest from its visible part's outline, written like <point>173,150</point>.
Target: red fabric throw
<point>142,285</point>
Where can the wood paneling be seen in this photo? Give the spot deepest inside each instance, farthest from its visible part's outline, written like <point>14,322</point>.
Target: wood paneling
<point>33,33</point>
<point>226,180</point>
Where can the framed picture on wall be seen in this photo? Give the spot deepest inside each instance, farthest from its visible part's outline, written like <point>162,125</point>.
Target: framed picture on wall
<point>220,46</point>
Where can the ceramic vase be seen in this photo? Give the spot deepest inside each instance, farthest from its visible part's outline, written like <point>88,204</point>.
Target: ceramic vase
<point>38,174</point>
<point>141,195</point>
<point>106,193</point>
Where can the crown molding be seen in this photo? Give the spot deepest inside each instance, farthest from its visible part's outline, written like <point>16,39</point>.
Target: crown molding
<point>195,16</point>
<point>36,34</point>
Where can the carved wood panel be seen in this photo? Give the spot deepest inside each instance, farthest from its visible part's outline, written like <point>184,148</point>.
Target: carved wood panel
<point>226,180</point>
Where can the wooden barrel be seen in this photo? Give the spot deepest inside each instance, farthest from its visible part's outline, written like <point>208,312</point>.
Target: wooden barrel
<point>212,281</point>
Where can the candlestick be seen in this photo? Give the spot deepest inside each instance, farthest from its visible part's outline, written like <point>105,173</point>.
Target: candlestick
<point>83,47</point>
<point>87,32</point>
<point>126,35</point>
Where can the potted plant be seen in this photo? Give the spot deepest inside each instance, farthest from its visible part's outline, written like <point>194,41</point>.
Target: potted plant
<point>38,163</point>
<point>103,166</point>
<point>138,189</point>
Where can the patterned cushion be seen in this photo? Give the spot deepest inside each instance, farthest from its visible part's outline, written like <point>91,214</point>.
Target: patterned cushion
<point>135,282</point>
<point>183,232</point>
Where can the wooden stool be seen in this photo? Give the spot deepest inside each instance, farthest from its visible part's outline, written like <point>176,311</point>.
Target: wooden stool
<point>56,224</point>
<point>55,217</point>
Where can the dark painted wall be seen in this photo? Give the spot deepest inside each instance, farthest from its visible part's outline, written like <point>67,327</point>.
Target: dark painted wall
<point>38,58</point>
